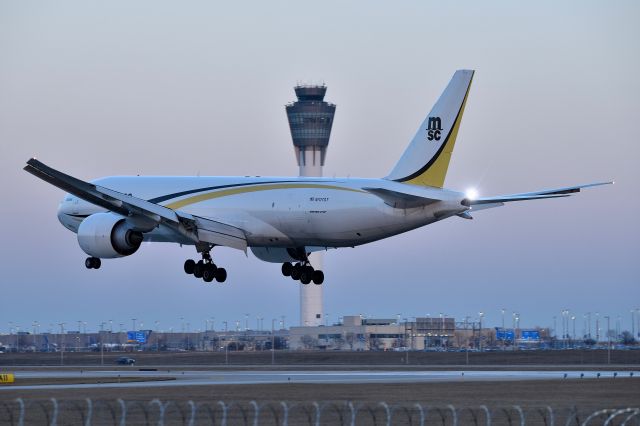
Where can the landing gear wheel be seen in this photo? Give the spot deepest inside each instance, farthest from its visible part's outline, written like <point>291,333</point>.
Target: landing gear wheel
<point>189,266</point>
<point>296,271</point>
<point>221,275</point>
<point>198,270</point>
<point>287,267</point>
<point>92,263</point>
<point>317,277</point>
<point>305,278</point>
<point>209,273</point>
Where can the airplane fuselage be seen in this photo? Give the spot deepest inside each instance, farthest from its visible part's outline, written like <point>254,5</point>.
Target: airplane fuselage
<point>280,211</point>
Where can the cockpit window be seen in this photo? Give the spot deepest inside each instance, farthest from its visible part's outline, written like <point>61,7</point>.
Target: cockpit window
<point>68,199</point>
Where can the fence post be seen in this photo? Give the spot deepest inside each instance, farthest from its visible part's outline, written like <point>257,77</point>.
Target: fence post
<point>454,414</point>
<point>123,412</point>
<point>386,409</point>
<point>285,416</point>
<point>224,413</point>
<point>161,408</point>
<point>353,414</point>
<point>89,412</point>
<point>256,412</point>
<point>54,416</point>
<point>552,420</point>
<point>317,407</point>
<point>487,414</point>
<point>519,410</point>
<point>192,419</point>
<point>421,411</point>
<point>21,418</point>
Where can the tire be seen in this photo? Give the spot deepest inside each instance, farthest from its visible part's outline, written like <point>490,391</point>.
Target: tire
<point>309,269</point>
<point>317,277</point>
<point>221,275</point>
<point>305,278</point>
<point>208,274</point>
<point>189,266</point>
<point>88,262</point>
<point>296,272</point>
<point>198,269</point>
<point>287,267</point>
<point>96,262</point>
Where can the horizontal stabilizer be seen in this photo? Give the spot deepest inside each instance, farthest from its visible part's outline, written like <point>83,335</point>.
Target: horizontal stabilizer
<point>536,195</point>
<point>400,200</point>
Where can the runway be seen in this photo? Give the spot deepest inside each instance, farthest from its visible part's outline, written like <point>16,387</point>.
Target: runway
<point>174,378</point>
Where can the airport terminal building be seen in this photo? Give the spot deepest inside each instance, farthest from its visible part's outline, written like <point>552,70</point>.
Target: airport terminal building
<point>357,333</point>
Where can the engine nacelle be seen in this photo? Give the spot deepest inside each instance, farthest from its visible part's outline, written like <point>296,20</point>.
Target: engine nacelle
<point>278,254</point>
<point>107,235</point>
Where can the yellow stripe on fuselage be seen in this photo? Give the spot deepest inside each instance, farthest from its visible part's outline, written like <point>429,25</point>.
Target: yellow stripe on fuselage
<point>247,189</point>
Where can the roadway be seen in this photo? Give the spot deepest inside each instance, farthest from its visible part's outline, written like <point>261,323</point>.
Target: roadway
<point>177,378</point>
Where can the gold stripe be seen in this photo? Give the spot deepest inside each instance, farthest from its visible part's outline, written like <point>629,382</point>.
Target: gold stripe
<point>245,189</point>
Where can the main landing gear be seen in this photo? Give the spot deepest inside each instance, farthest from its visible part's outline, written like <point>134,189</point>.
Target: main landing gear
<point>304,272</point>
<point>92,263</point>
<point>205,269</point>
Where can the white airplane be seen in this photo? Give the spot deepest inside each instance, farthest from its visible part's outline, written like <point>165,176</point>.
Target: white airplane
<point>281,219</point>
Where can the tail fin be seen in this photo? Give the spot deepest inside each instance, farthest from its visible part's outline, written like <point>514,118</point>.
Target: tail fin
<point>426,159</point>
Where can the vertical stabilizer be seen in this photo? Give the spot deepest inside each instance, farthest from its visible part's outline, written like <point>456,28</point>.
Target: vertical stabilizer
<point>426,159</point>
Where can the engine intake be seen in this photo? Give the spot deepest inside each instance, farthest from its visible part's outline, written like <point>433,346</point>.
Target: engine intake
<point>107,236</point>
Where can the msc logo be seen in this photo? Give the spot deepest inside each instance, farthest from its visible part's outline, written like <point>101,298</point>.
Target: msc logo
<point>434,128</point>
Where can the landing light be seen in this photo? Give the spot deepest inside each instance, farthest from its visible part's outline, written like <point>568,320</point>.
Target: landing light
<point>471,194</point>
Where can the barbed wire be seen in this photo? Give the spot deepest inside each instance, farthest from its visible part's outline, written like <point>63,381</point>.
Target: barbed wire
<point>88,412</point>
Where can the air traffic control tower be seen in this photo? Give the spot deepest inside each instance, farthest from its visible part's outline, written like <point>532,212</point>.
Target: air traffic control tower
<point>310,120</point>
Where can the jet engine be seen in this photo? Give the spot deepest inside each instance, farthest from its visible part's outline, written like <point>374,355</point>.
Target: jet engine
<point>107,236</point>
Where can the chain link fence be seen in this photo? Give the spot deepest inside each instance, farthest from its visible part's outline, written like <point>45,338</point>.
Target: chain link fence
<point>120,412</point>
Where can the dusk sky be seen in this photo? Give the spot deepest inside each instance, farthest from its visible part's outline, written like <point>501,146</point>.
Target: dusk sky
<point>185,88</point>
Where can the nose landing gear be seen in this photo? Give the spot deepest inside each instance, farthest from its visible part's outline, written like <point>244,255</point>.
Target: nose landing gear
<point>205,269</point>
<point>92,263</point>
<point>303,271</point>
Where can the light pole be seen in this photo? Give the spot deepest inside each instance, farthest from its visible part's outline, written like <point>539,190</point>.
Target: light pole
<point>609,340</point>
<point>589,323</point>
<point>504,333</point>
<point>273,342</point>
<point>226,343</point>
<point>133,321</point>
<point>597,327</point>
<point>480,314</point>
<point>573,318</point>
<point>61,342</point>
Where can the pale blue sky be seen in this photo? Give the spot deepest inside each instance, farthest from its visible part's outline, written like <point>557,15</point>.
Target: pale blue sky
<point>102,88</point>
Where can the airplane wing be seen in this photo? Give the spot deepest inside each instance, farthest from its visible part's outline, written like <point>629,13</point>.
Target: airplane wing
<point>489,202</point>
<point>142,214</point>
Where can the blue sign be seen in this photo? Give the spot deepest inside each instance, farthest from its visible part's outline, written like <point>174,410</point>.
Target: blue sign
<point>504,334</point>
<point>530,335</point>
<point>137,336</point>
